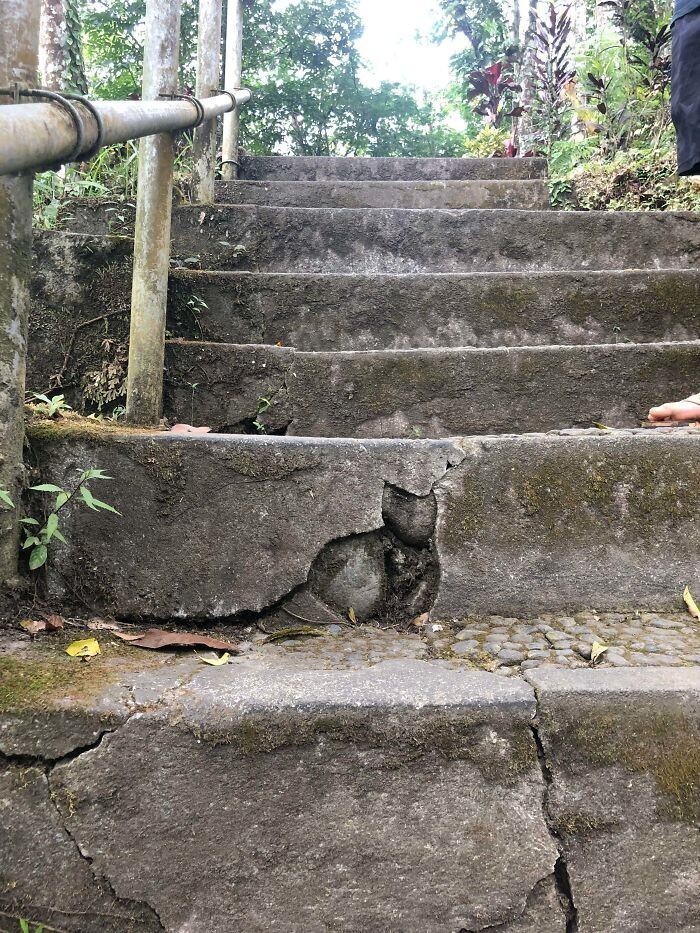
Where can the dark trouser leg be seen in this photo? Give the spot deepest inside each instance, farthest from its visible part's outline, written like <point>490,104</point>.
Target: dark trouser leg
<point>685,92</point>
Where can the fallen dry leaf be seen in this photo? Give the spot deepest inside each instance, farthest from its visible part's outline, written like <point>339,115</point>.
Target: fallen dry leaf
<point>54,622</point>
<point>156,638</point>
<point>87,648</point>
<point>216,662</point>
<point>352,616</point>
<point>691,604</point>
<point>421,621</point>
<point>188,429</point>
<point>100,625</point>
<point>598,650</point>
<point>33,626</point>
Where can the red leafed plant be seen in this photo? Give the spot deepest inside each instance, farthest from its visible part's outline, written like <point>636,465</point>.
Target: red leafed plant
<point>495,88</point>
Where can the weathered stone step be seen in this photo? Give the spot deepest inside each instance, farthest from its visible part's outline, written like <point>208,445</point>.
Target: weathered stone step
<point>423,393</point>
<point>218,526</point>
<point>376,781</point>
<point>373,241</point>
<point>401,312</point>
<point>522,195</point>
<point>283,168</point>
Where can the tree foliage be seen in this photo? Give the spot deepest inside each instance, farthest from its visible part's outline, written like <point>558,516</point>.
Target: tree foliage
<point>301,62</point>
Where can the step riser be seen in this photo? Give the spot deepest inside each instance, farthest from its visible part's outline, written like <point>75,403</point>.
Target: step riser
<point>520,195</point>
<point>405,312</point>
<point>345,312</point>
<point>524,525</point>
<point>376,241</point>
<point>424,393</point>
<point>363,169</point>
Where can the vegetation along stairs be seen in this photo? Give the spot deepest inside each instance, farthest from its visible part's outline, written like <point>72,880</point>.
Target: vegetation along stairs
<point>425,389</point>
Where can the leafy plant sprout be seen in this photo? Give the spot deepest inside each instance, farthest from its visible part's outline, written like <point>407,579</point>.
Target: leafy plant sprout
<point>49,406</point>
<point>38,537</point>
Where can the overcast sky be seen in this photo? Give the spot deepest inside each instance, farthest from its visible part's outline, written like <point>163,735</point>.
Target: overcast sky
<point>392,46</point>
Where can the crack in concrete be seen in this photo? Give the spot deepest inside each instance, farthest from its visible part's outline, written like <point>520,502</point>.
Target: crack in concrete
<point>100,879</point>
<point>561,869</point>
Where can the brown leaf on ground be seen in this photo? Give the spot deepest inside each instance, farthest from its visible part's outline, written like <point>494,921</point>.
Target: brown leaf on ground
<point>54,622</point>
<point>303,631</point>
<point>188,429</point>
<point>33,626</point>
<point>156,638</point>
<point>421,621</point>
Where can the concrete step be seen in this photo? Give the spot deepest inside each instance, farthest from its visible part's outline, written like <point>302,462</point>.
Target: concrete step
<point>374,241</point>
<point>290,168</point>
<point>221,526</point>
<point>374,781</point>
<point>423,393</point>
<point>519,194</point>
<point>401,312</point>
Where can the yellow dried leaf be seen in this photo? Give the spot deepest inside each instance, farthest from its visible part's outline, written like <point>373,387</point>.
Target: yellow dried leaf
<point>691,604</point>
<point>597,651</point>
<point>216,662</point>
<point>87,648</point>
<point>352,616</point>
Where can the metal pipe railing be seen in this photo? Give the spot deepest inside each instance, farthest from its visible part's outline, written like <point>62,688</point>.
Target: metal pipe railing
<point>36,135</point>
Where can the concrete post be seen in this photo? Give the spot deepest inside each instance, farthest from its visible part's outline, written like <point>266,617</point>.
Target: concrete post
<point>233,76</point>
<point>208,80</point>
<point>153,217</point>
<point>19,60</point>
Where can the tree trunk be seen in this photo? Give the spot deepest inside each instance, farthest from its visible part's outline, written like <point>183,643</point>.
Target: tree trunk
<point>60,55</point>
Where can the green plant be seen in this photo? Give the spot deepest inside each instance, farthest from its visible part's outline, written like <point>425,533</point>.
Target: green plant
<point>488,142</point>
<point>48,406</point>
<point>38,537</point>
<point>258,423</point>
<point>25,927</point>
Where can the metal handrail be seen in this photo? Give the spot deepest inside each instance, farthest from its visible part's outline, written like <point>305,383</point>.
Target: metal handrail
<point>35,135</point>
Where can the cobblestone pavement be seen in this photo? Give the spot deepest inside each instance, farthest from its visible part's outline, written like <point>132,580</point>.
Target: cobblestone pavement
<point>505,645</point>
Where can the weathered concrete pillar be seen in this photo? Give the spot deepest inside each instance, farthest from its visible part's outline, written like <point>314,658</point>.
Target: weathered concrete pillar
<point>208,80</point>
<point>233,75</point>
<point>19,58</point>
<point>153,217</point>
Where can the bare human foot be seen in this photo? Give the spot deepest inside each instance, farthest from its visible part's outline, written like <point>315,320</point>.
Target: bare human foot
<point>687,410</point>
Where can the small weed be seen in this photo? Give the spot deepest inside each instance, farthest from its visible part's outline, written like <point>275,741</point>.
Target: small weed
<point>38,537</point>
<point>48,406</point>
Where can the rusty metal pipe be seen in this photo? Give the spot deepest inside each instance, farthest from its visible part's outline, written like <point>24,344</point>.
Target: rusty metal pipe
<point>208,79</point>
<point>233,73</point>
<point>144,391</point>
<point>19,59</point>
<point>35,135</point>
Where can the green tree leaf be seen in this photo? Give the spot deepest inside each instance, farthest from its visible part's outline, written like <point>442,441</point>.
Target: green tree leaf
<point>38,557</point>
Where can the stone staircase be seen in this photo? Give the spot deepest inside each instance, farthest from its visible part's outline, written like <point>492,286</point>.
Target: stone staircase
<point>406,363</point>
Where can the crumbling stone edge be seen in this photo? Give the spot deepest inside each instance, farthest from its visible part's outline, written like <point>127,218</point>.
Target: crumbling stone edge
<point>47,765</point>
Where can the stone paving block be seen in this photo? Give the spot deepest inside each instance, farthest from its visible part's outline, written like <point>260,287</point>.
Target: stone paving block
<point>623,752</point>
